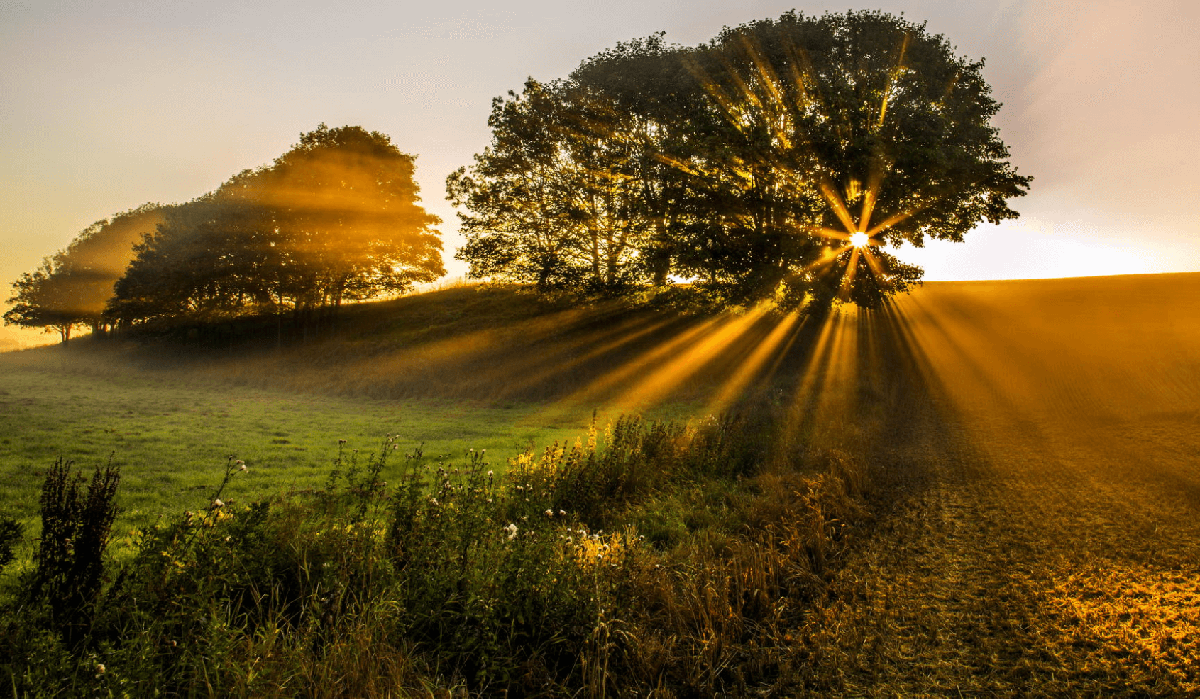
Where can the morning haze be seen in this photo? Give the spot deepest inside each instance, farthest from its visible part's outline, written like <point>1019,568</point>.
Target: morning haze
<point>624,348</point>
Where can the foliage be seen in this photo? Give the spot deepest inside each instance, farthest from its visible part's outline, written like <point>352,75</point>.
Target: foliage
<point>73,286</point>
<point>334,219</point>
<point>70,556</point>
<point>11,532</point>
<point>744,164</point>
<point>459,580</point>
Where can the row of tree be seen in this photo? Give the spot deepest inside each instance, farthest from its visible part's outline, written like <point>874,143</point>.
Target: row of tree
<point>745,165</point>
<point>336,218</point>
<point>774,161</point>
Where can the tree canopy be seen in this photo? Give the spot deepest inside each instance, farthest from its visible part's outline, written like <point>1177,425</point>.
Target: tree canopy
<point>746,164</point>
<point>336,218</point>
<point>73,286</point>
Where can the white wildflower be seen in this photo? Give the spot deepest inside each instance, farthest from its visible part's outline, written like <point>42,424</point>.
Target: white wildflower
<point>218,503</point>
<point>511,531</point>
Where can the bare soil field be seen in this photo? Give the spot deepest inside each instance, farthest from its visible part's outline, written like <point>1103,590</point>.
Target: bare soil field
<point>1039,516</point>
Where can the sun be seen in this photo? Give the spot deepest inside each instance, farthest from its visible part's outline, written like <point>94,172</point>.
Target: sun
<point>859,240</point>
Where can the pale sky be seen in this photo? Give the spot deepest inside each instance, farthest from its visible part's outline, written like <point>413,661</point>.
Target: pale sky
<point>107,105</point>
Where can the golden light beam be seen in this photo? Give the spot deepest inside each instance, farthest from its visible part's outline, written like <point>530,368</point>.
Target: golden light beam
<point>747,370</point>
<point>822,388</point>
<point>601,344</point>
<point>673,373</point>
<point>892,77</point>
<point>828,256</point>
<point>848,278</point>
<point>873,263</point>
<point>770,82</point>
<point>834,200</point>
<point>710,86</point>
<point>833,233</point>
<point>890,222</point>
<point>628,372</point>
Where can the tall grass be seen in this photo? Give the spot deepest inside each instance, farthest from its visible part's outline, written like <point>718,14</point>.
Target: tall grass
<point>644,559</point>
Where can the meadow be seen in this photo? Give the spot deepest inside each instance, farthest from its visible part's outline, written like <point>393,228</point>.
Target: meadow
<point>988,488</point>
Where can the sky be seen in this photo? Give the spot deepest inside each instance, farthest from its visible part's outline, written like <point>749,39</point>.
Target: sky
<point>107,105</point>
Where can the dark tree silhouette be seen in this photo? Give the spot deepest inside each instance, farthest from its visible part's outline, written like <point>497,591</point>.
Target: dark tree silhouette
<point>748,164</point>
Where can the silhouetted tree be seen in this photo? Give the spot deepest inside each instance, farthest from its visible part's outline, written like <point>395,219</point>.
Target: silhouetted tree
<point>73,286</point>
<point>747,163</point>
<point>523,225</point>
<point>336,218</point>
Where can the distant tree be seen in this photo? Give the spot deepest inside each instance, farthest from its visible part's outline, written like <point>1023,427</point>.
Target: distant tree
<point>73,286</point>
<point>336,218</point>
<point>37,303</point>
<point>748,164</point>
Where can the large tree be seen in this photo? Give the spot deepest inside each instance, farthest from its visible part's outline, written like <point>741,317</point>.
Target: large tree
<point>785,154</point>
<point>335,218</point>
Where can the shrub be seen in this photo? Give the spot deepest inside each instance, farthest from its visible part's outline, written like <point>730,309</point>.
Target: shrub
<point>11,532</point>
<point>457,580</point>
<point>70,556</point>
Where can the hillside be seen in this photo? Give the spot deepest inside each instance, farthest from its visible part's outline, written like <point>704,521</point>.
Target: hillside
<point>1031,520</point>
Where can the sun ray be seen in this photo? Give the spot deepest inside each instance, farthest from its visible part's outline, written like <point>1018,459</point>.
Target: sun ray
<point>848,277</point>
<point>643,364</point>
<point>598,346</point>
<point>670,375</point>
<point>748,369</point>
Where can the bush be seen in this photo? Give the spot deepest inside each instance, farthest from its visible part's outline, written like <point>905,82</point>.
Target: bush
<point>457,580</point>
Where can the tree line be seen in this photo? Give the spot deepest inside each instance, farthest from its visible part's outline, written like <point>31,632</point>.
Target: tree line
<point>334,219</point>
<point>773,162</point>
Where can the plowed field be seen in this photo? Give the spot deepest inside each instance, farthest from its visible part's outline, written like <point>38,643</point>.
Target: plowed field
<point>1038,528</point>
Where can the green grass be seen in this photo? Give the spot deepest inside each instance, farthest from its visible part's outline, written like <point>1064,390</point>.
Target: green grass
<point>171,439</point>
<point>169,414</point>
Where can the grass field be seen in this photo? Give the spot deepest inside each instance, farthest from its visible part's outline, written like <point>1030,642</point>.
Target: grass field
<point>436,372</point>
<point>1024,523</point>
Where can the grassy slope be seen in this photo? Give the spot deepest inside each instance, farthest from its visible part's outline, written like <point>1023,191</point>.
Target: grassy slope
<point>1034,444</point>
<point>453,370</point>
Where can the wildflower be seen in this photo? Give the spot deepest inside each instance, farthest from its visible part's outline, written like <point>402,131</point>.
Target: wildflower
<point>549,513</point>
<point>242,466</point>
<point>511,530</point>
<point>217,503</point>
<point>100,670</point>
<point>341,442</point>
<point>489,472</point>
<point>433,501</point>
<point>561,512</point>
<point>520,487</point>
